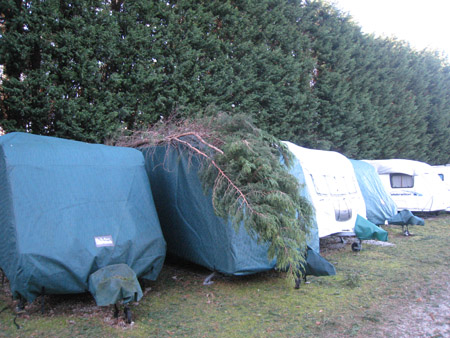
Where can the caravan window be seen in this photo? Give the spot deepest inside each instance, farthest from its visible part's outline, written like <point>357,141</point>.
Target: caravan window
<point>350,185</point>
<point>320,184</point>
<point>345,185</point>
<point>333,185</point>
<point>441,176</point>
<point>402,181</point>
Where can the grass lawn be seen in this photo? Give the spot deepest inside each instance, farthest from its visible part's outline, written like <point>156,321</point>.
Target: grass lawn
<point>389,291</point>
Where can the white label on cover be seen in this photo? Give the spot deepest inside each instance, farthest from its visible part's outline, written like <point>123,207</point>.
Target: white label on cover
<point>101,241</point>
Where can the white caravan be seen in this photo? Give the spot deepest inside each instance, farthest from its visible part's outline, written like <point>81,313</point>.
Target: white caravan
<point>444,173</point>
<point>413,185</point>
<point>332,189</point>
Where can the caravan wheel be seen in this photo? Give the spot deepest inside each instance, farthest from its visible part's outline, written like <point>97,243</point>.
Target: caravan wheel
<point>356,247</point>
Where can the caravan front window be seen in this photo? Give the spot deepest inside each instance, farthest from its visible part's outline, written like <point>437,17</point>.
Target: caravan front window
<point>402,181</point>
<point>345,185</point>
<point>320,184</point>
<point>350,185</point>
<point>333,185</point>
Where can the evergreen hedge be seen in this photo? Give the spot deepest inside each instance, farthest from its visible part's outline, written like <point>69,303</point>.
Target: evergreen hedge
<point>303,70</point>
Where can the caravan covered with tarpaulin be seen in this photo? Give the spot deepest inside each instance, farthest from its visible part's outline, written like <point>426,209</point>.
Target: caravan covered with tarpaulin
<point>76,217</point>
<point>379,205</point>
<point>191,228</point>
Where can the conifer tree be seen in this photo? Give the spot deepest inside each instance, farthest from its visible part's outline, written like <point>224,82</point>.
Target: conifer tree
<point>303,70</point>
<point>55,86</point>
<point>430,84</point>
<point>337,53</point>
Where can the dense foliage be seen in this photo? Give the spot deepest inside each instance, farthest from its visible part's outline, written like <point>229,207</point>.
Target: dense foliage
<point>271,206</point>
<point>82,69</point>
<point>244,169</point>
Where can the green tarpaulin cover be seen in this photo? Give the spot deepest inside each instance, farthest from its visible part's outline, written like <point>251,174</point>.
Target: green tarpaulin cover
<point>406,217</point>
<point>297,171</point>
<point>365,229</point>
<point>113,284</point>
<point>316,265</point>
<point>190,226</point>
<point>379,204</point>
<point>68,209</point>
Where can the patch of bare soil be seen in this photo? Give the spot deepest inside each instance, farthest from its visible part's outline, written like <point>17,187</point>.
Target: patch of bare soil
<point>428,315</point>
<point>332,243</point>
<point>72,306</point>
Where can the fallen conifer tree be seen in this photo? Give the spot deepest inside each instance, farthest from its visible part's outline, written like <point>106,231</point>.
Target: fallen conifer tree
<point>246,170</point>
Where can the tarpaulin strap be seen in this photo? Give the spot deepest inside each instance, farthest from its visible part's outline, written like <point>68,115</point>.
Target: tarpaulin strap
<point>20,309</point>
<point>14,320</point>
<point>4,309</point>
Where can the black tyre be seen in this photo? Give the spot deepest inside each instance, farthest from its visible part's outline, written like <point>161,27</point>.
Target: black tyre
<point>356,247</point>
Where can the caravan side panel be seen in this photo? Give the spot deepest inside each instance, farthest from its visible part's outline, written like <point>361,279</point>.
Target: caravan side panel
<point>413,185</point>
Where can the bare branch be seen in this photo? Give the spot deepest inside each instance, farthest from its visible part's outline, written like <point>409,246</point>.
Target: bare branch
<point>200,139</point>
